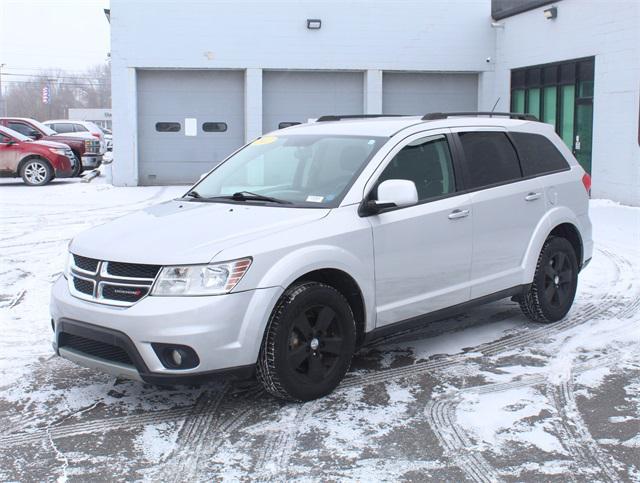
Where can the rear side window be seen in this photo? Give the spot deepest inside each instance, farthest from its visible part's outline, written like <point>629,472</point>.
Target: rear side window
<point>60,127</point>
<point>80,128</point>
<point>538,154</point>
<point>490,158</point>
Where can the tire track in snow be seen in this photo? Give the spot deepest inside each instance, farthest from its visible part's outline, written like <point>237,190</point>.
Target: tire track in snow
<point>203,430</point>
<point>589,311</point>
<point>573,430</point>
<point>273,460</point>
<point>132,206</point>
<point>598,308</point>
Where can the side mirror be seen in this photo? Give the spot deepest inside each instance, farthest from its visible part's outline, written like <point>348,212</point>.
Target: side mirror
<point>392,193</point>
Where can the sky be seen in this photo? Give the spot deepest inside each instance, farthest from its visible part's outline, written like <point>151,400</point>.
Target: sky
<point>52,34</point>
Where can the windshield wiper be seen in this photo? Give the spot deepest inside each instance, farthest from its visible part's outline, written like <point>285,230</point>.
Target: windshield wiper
<point>248,195</point>
<point>238,196</point>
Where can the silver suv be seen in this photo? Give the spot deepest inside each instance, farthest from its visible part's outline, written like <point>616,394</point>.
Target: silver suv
<point>309,242</point>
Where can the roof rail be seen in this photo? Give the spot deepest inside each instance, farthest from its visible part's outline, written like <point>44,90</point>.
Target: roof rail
<point>432,116</point>
<point>355,116</point>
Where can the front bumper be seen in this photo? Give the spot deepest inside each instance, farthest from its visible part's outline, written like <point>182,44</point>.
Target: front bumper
<point>224,330</point>
<point>91,161</point>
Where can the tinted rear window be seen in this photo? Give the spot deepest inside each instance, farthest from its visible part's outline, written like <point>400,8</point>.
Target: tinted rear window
<point>538,154</point>
<point>490,158</point>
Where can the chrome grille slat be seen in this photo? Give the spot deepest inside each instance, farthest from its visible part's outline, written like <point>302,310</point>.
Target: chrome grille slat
<point>108,287</point>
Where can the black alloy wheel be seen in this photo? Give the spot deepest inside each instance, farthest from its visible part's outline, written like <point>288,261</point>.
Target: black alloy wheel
<point>308,343</point>
<point>555,282</point>
<point>315,343</point>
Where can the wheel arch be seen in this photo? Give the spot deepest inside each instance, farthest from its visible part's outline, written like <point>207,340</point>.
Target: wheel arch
<point>559,221</point>
<point>28,158</point>
<point>348,273</point>
<point>348,287</point>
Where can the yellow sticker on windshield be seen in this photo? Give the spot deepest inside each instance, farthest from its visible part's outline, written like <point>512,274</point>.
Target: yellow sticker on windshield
<point>265,140</point>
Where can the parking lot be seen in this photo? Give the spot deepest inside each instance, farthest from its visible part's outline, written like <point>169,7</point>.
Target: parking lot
<point>485,396</point>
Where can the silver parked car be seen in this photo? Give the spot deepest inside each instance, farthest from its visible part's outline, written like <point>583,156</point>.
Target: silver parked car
<point>312,240</point>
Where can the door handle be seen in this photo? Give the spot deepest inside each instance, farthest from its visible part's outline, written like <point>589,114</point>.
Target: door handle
<point>533,196</point>
<point>455,214</point>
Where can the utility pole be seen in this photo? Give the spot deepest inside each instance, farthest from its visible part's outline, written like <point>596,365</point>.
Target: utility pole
<point>2,109</point>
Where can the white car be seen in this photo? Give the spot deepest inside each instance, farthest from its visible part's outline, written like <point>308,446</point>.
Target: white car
<point>310,241</point>
<point>70,128</point>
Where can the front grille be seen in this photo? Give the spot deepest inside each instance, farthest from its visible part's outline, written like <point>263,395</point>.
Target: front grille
<point>123,293</point>
<point>94,348</point>
<point>84,286</point>
<point>84,263</point>
<point>132,270</point>
<point>114,283</point>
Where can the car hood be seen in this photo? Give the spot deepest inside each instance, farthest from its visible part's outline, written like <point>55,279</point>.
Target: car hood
<point>50,144</point>
<point>76,135</point>
<point>183,232</point>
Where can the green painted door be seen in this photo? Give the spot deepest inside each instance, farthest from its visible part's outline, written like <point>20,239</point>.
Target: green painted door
<point>584,133</point>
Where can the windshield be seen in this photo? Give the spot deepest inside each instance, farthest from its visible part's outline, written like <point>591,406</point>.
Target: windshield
<point>43,127</point>
<point>303,170</point>
<point>14,134</point>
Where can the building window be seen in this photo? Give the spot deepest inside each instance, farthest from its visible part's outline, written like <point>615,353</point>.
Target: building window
<point>285,124</point>
<point>214,126</point>
<point>167,126</point>
<point>560,94</point>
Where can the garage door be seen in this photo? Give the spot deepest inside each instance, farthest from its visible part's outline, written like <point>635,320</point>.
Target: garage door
<point>414,93</point>
<point>188,121</point>
<point>292,97</point>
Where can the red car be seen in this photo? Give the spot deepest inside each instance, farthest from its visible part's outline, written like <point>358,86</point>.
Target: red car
<point>37,162</point>
<point>86,147</point>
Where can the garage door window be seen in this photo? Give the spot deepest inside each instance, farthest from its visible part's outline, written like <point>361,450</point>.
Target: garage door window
<point>490,158</point>
<point>214,126</point>
<point>168,126</point>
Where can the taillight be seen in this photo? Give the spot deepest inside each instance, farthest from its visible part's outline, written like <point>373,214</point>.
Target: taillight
<point>96,135</point>
<point>586,181</point>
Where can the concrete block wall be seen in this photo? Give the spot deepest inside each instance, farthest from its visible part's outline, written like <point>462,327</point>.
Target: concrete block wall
<point>356,35</point>
<point>610,31</point>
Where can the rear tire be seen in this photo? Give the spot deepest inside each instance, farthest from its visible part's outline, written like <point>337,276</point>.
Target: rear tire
<point>550,296</point>
<point>308,344</point>
<point>36,172</point>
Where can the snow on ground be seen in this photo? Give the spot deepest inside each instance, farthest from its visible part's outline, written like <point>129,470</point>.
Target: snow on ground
<point>483,396</point>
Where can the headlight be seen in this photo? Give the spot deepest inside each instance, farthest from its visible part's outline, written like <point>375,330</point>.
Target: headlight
<point>61,152</point>
<point>211,279</point>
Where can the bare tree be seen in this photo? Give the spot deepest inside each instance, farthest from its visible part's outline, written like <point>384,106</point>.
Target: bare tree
<point>90,89</point>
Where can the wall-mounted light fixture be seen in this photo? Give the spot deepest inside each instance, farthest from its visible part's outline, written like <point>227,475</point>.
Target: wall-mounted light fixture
<point>551,13</point>
<point>314,23</point>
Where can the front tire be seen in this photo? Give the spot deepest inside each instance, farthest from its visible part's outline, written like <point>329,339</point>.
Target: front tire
<point>550,296</point>
<point>308,344</point>
<point>36,172</point>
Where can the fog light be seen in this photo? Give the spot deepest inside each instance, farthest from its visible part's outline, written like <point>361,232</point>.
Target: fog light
<point>176,357</point>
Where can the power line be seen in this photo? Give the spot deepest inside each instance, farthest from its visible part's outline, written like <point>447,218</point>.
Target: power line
<point>51,76</point>
<point>39,83</point>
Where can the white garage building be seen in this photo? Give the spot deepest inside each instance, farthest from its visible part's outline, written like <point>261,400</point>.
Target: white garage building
<point>192,81</point>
